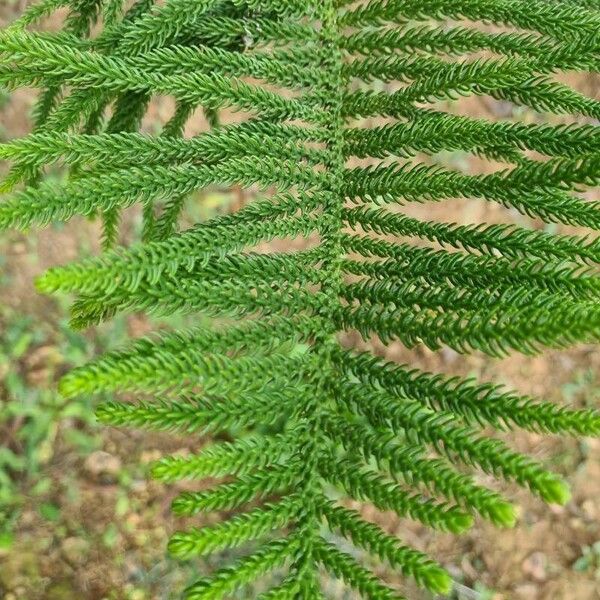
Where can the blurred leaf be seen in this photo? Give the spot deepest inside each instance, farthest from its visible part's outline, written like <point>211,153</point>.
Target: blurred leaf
<point>122,505</point>
<point>110,537</point>
<point>6,540</point>
<point>82,440</point>
<point>9,459</point>
<point>21,345</point>
<point>42,486</point>
<point>50,511</point>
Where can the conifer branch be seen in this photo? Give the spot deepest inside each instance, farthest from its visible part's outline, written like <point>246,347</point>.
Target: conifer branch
<point>306,413</point>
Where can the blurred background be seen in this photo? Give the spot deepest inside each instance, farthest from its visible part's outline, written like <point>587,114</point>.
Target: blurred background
<point>78,518</point>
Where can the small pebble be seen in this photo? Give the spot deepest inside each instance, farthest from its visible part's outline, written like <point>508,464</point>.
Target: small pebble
<point>102,466</point>
<point>535,566</point>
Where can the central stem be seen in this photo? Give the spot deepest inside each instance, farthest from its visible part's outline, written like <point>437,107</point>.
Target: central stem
<point>330,92</point>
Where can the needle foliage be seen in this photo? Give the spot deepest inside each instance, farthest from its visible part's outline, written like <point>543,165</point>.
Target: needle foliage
<point>343,110</point>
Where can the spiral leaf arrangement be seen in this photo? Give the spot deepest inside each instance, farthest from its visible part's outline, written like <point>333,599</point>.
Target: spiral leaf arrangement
<point>343,106</point>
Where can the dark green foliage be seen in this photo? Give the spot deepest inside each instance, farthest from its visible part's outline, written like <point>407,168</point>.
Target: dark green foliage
<point>315,422</point>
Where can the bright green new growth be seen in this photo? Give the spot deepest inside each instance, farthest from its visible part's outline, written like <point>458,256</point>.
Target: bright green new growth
<point>317,422</point>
